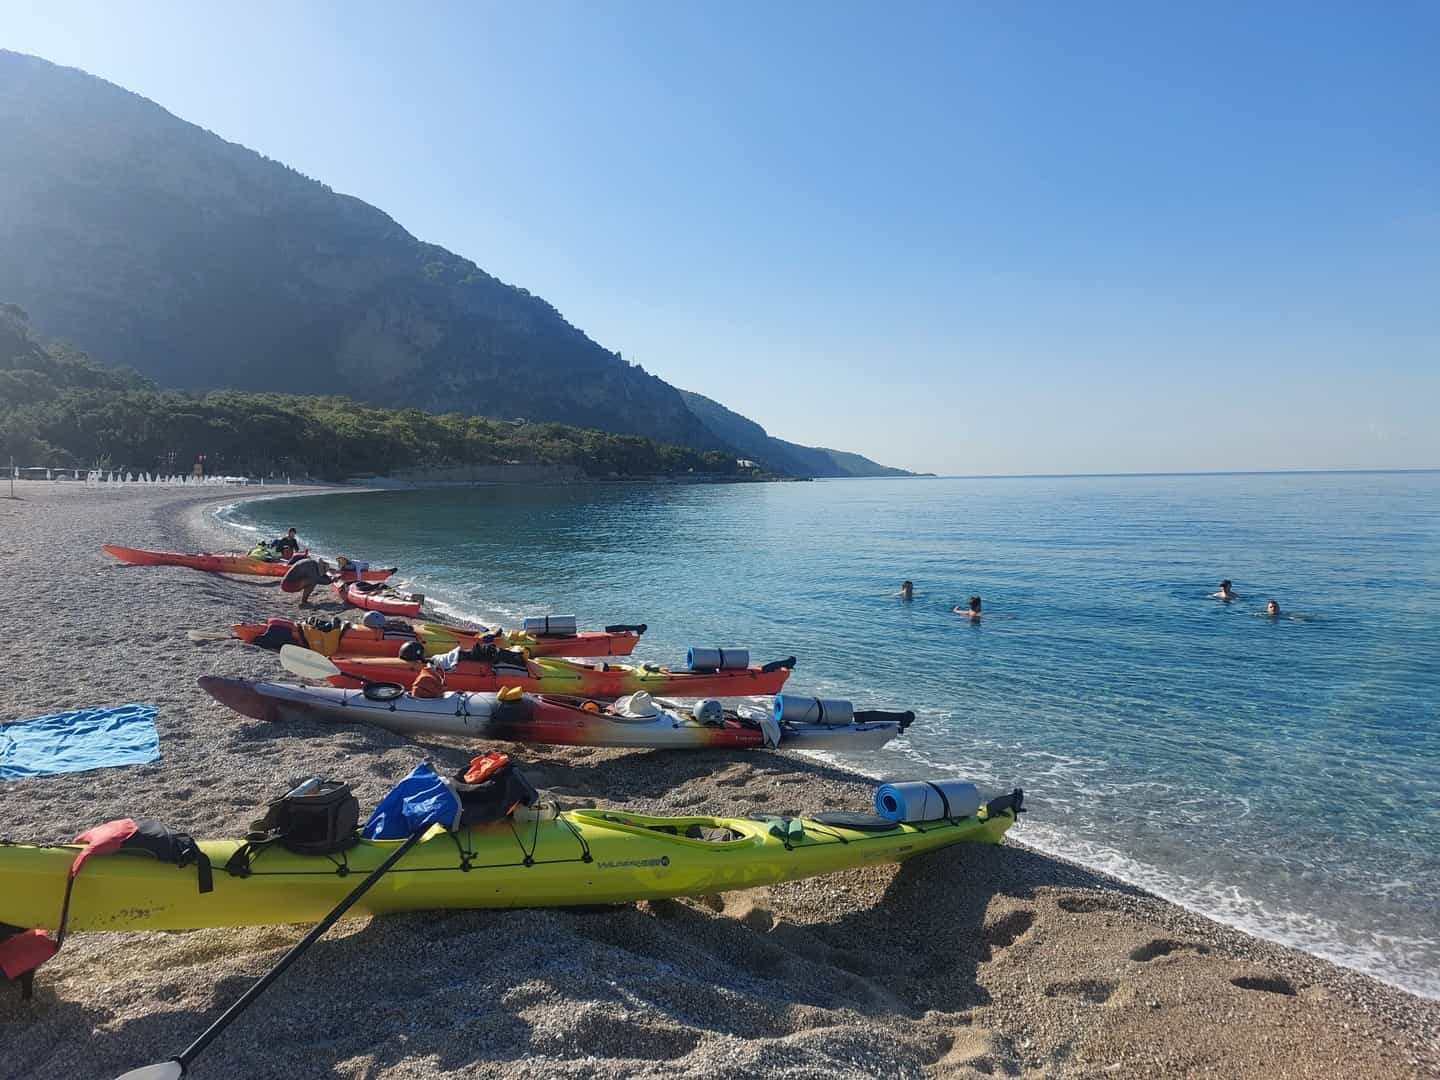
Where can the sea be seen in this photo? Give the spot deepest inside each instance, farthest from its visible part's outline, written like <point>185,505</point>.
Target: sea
<point>1278,774</point>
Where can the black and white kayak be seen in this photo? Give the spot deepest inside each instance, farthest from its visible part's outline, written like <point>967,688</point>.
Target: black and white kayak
<point>792,723</point>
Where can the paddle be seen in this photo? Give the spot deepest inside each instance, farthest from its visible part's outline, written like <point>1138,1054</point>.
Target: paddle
<point>311,665</point>
<point>177,1067</point>
<point>306,663</point>
<point>198,636</point>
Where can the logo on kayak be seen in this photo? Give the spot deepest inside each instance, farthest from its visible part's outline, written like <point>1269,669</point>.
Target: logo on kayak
<point>663,860</point>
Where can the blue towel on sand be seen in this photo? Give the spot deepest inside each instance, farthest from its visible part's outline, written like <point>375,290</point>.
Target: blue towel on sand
<point>77,741</point>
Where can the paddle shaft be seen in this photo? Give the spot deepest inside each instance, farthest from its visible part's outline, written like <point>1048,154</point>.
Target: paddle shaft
<point>207,1036</point>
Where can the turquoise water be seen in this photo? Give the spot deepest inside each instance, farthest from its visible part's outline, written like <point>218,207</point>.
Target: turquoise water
<point>1280,775</point>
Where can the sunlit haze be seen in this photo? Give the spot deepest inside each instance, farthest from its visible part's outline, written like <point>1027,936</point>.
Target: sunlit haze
<point>955,237</point>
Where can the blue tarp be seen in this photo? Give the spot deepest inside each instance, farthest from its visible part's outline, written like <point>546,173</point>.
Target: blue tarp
<point>419,801</point>
<point>76,741</point>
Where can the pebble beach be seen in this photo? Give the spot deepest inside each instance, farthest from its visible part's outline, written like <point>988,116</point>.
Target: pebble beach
<point>966,963</point>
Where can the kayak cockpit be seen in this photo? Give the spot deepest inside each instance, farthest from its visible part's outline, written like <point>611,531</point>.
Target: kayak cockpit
<point>702,832</point>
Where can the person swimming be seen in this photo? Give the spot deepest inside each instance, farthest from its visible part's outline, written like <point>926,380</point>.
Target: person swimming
<point>972,609</point>
<point>1272,609</point>
<point>907,590</point>
<point>1226,593</point>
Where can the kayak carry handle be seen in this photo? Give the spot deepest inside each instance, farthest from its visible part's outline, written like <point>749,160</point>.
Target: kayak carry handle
<point>776,665</point>
<point>627,628</point>
<point>880,716</point>
<point>1013,804</point>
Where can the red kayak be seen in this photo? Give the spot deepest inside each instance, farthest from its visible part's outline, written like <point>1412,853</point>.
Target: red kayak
<point>551,676</point>
<point>382,598</point>
<point>221,564</point>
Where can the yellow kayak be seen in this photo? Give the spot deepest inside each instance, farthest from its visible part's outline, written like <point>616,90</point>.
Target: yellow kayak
<point>578,857</point>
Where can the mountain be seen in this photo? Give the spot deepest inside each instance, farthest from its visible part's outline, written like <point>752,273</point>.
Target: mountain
<point>152,242</point>
<point>755,442</point>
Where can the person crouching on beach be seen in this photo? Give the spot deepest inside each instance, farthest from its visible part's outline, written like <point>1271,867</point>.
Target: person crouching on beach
<point>971,611</point>
<point>1225,594</point>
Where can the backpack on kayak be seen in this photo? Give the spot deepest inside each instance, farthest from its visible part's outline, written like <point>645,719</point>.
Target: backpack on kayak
<point>491,788</point>
<point>314,817</point>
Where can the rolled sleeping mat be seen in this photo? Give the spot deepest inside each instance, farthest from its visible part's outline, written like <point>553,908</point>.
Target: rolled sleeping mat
<point>716,659</point>
<point>551,626</point>
<point>794,709</point>
<point>923,800</point>
<point>302,573</point>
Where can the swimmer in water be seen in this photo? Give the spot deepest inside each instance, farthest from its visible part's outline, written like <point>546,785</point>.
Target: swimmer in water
<point>907,591</point>
<point>970,611</point>
<point>1225,594</point>
<point>1272,609</point>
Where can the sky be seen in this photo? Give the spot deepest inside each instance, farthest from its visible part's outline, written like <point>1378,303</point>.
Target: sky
<point>955,237</point>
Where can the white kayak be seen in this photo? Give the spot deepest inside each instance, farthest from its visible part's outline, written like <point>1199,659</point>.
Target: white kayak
<point>549,719</point>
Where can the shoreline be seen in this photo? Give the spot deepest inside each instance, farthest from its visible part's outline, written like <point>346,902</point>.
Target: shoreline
<point>1014,961</point>
<point>1264,924</point>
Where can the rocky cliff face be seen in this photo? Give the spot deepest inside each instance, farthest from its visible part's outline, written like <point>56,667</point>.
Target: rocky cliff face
<point>158,245</point>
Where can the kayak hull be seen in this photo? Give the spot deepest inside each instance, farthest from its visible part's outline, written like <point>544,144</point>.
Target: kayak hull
<point>550,676</point>
<point>437,638</point>
<point>544,720</point>
<point>388,602</point>
<point>583,857</point>
<point>224,564</point>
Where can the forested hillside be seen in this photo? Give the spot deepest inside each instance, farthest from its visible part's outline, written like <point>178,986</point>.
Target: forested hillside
<point>58,407</point>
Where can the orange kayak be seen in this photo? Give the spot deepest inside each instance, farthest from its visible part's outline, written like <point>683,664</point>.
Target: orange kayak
<point>222,564</point>
<point>551,676</point>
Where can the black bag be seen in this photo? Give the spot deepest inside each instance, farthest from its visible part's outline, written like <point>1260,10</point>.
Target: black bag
<point>495,797</point>
<point>315,817</point>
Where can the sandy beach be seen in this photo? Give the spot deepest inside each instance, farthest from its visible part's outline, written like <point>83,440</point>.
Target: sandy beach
<point>968,963</point>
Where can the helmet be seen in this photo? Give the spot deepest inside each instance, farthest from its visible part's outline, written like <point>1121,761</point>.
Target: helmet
<point>709,711</point>
<point>375,620</point>
<point>412,650</point>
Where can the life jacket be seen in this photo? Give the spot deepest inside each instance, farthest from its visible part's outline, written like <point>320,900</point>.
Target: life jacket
<point>428,684</point>
<point>279,632</point>
<point>22,950</point>
<point>491,788</point>
<point>322,635</point>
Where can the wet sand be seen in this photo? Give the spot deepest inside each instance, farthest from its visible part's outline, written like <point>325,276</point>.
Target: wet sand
<point>967,963</point>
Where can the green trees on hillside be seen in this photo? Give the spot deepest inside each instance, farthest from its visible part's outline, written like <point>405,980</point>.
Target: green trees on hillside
<point>60,408</point>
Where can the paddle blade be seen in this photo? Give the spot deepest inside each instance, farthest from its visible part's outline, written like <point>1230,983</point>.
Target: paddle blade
<point>209,635</point>
<point>306,664</point>
<point>161,1070</point>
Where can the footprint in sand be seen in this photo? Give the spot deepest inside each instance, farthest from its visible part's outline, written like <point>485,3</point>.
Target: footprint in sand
<point>1095,991</point>
<point>1152,950</point>
<point>1004,931</point>
<point>978,1050</point>
<point>734,776</point>
<point>1087,904</point>
<point>1268,984</point>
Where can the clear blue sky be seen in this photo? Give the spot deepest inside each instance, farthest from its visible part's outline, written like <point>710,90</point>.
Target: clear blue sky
<point>956,237</point>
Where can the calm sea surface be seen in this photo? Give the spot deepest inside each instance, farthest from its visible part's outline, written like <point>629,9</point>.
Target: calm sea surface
<point>1280,775</point>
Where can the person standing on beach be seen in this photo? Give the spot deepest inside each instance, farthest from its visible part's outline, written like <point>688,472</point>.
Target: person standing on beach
<point>1226,594</point>
<point>971,611</point>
